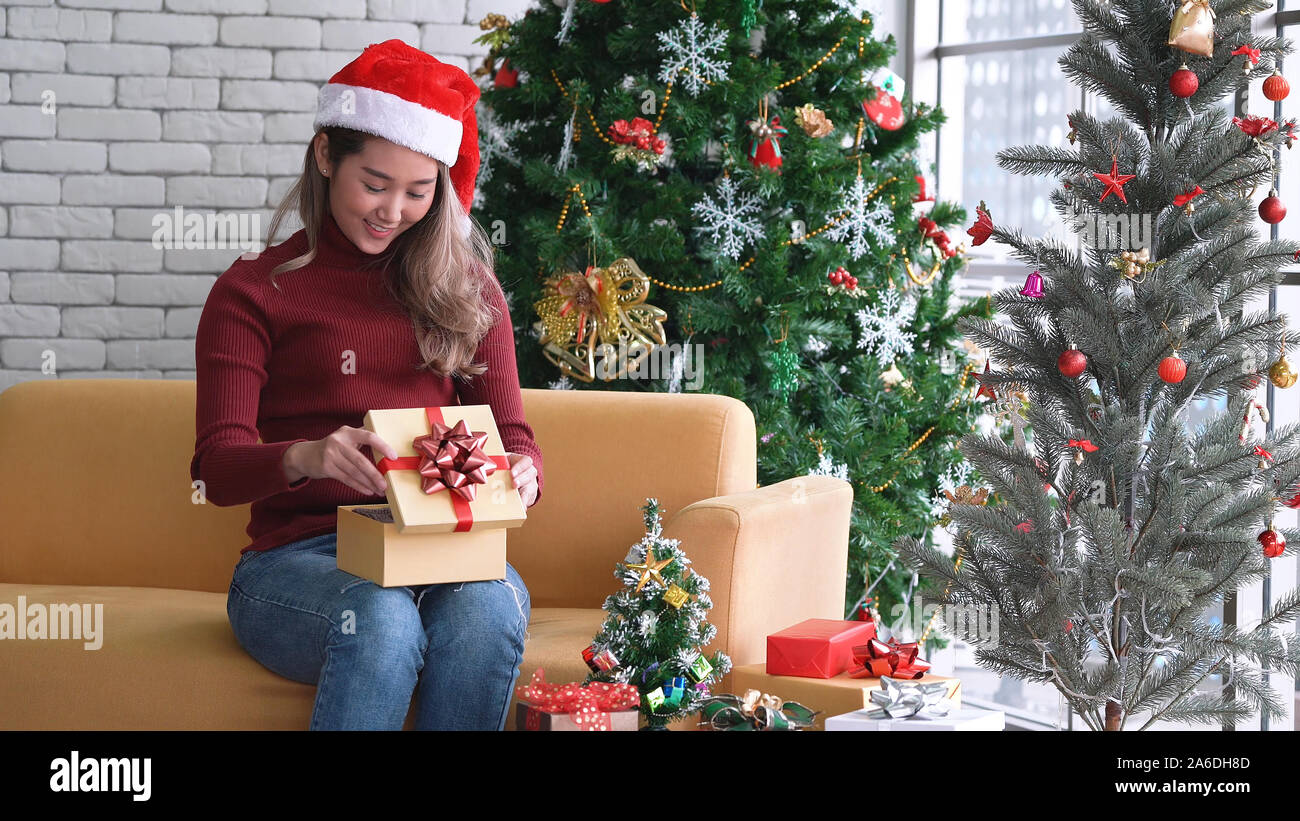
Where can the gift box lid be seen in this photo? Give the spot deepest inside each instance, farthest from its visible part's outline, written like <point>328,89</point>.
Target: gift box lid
<point>496,501</point>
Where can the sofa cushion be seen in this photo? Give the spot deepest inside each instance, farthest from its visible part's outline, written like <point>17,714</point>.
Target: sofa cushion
<point>169,661</point>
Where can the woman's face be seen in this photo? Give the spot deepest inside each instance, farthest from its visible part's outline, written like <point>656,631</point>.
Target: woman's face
<point>380,192</point>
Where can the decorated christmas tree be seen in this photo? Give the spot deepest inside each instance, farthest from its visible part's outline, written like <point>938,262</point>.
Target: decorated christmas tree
<point>657,627</point>
<point>720,196</point>
<point>1112,535</point>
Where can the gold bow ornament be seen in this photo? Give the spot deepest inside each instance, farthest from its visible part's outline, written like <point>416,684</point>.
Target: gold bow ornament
<point>602,310</point>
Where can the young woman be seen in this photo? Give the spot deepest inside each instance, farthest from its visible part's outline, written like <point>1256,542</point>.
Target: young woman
<point>386,299</point>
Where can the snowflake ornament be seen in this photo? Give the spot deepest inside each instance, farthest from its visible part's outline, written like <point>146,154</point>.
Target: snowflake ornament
<point>859,220</point>
<point>496,142</point>
<point>884,328</point>
<point>692,48</point>
<point>826,466</point>
<point>562,384</point>
<point>729,220</point>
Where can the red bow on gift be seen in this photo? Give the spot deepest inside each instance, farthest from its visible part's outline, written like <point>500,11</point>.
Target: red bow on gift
<point>589,705</point>
<point>1085,444</point>
<point>1252,53</point>
<point>452,458</point>
<point>877,659</point>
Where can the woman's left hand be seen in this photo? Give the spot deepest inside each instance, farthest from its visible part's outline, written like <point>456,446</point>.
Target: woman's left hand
<point>525,475</point>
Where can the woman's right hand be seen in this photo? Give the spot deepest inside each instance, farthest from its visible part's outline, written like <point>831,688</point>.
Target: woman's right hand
<point>338,456</point>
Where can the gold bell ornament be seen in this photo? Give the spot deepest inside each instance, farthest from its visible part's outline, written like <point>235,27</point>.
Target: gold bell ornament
<point>1192,29</point>
<point>1281,373</point>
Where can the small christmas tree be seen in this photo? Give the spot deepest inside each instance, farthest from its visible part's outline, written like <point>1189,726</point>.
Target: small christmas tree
<point>656,627</point>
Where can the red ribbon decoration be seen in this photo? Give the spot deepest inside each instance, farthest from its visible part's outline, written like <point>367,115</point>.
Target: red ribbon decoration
<point>1085,444</point>
<point>589,705</point>
<point>1259,451</point>
<point>877,659</point>
<point>1189,195</point>
<point>1252,53</point>
<point>450,458</point>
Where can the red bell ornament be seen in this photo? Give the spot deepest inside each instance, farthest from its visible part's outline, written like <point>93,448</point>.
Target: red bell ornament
<point>1184,82</point>
<point>1272,210</point>
<point>1072,362</point>
<point>1276,87</point>
<point>1273,543</point>
<point>1173,369</point>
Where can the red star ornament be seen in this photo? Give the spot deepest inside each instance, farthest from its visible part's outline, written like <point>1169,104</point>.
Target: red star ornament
<point>1114,182</point>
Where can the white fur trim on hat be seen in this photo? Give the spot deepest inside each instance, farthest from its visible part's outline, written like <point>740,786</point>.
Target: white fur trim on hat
<point>386,115</point>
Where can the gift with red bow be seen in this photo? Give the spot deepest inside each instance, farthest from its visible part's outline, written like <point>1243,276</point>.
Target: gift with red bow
<point>877,659</point>
<point>595,707</point>
<point>450,498</point>
<point>455,475</point>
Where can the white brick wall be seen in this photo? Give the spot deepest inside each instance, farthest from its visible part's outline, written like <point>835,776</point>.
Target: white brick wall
<point>115,111</point>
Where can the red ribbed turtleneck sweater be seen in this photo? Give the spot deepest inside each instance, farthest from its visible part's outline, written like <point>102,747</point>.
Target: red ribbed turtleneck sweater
<point>295,364</point>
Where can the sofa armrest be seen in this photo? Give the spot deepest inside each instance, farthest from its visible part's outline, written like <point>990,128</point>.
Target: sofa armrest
<point>773,556</point>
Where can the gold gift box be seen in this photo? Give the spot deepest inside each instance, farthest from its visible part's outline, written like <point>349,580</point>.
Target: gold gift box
<point>414,538</point>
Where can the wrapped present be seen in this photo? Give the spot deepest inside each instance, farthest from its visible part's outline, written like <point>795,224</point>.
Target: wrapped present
<point>451,498</point>
<point>754,710</point>
<point>828,696</point>
<point>816,648</point>
<point>954,721</point>
<point>598,706</point>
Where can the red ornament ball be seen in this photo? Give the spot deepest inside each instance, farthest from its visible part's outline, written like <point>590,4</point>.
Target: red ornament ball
<point>1072,362</point>
<point>1273,542</point>
<point>1272,210</point>
<point>1276,87</point>
<point>1173,369</point>
<point>1184,82</point>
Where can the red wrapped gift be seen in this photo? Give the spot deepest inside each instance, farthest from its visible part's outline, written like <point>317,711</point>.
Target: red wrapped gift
<point>816,648</point>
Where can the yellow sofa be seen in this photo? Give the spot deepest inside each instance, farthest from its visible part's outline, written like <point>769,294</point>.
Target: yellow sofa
<point>96,507</point>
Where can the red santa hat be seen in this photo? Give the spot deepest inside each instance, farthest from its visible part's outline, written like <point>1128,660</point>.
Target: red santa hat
<point>408,97</point>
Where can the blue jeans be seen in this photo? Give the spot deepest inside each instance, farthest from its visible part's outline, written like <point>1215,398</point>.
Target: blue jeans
<point>367,648</point>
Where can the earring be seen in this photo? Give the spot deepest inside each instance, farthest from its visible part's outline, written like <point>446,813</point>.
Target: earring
<point>326,173</point>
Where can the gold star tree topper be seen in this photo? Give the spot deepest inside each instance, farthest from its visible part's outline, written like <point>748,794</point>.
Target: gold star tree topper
<point>650,569</point>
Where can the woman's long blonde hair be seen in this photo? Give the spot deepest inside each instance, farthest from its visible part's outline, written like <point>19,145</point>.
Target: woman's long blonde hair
<point>437,275</point>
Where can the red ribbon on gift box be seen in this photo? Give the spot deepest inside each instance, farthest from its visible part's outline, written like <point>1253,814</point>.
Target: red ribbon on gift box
<point>877,659</point>
<point>589,705</point>
<point>450,458</point>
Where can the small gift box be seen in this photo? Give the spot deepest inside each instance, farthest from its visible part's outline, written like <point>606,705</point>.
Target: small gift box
<point>816,648</point>
<point>909,705</point>
<point>451,498</point>
<point>566,707</point>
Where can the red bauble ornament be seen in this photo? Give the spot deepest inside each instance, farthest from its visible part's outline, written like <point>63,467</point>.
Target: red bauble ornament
<point>1173,369</point>
<point>1184,82</point>
<point>1273,543</point>
<point>506,77</point>
<point>1276,87</point>
<point>1072,362</point>
<point>1271,210</point>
